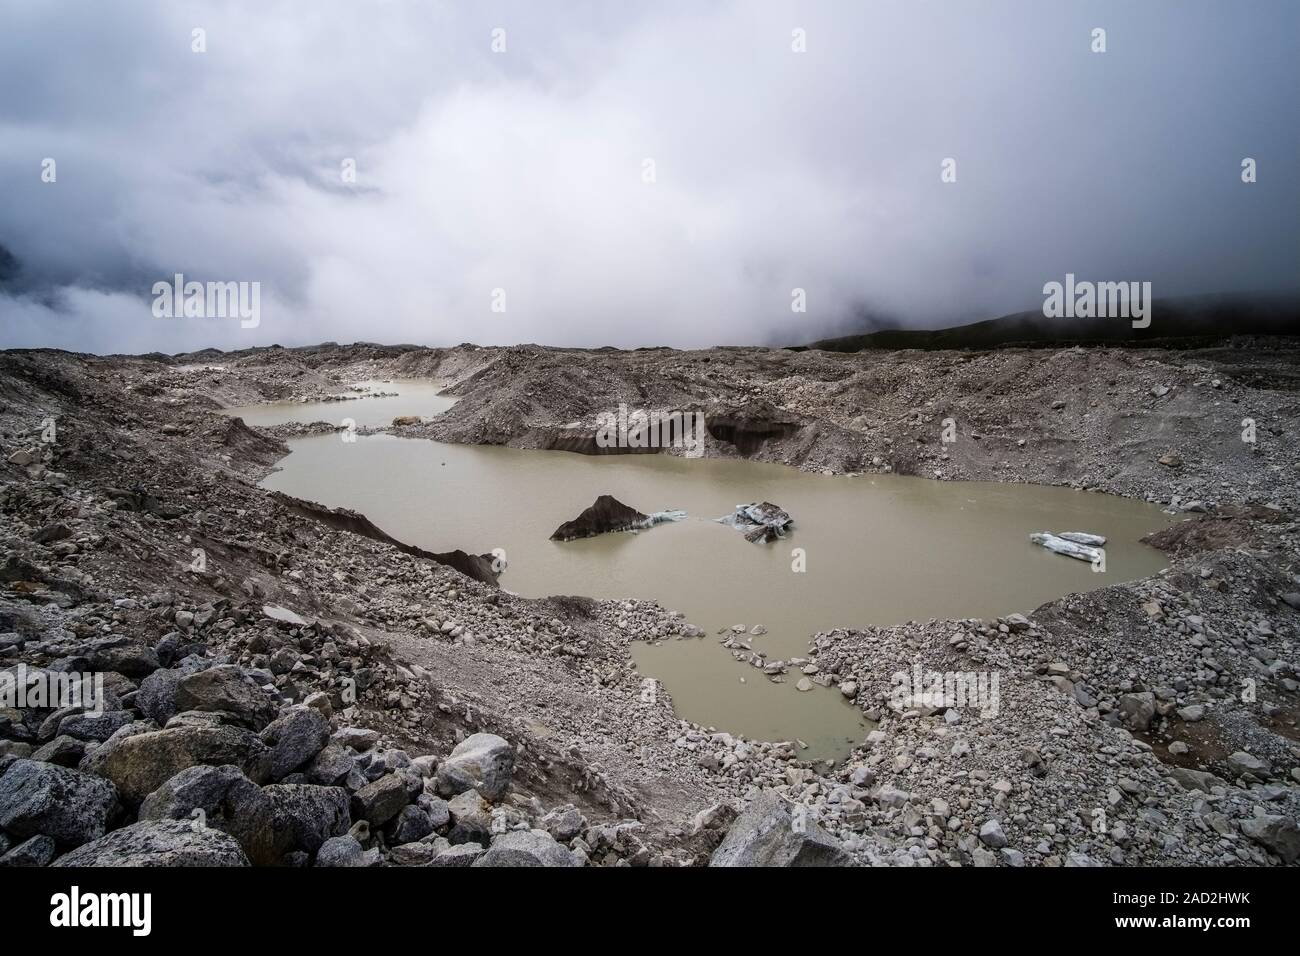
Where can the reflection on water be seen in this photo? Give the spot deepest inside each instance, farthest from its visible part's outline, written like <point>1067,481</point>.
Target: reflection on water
<point>878,550</point>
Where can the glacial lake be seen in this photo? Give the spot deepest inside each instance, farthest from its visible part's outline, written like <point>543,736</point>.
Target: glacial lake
<point>877,550</point>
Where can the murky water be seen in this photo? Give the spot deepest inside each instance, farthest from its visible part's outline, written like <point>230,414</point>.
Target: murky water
<point>878,550</point>
<point>379,407</point>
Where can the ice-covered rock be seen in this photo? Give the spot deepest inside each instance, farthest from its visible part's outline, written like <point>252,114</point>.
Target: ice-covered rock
<point>760,521</point>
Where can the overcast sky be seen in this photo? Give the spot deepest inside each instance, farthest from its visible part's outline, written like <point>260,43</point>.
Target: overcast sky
<point>525,170</point>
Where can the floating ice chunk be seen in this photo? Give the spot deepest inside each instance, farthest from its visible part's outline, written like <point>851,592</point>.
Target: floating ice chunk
<point>1060,545</point>
<point>659,517</point>
<point>1084,537</point>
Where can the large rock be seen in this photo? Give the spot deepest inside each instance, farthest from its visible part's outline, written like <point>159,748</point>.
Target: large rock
<point>759,520</point>
<point>380,801</point>
<point>471,818</point>
<point>1277,833</point>
<point>295,737</point>
<point>305,816</point>
<point>227,689</point>
<point>1190,779</point>
<point>769,834</point>
<point>482,762</point>
<point>1138,710</point>
<point>331,766</point>
<point>341,851</point>
<point>63,750</point>
<point>159,843</point>
<point>462,854</point>
<point>526,848</point>
<point>68,806</point>
<point>40,850</point>
<point>97,727</point>
<point>564,823</point>
<point>411,824</point>
<point>438,809</point>
<point>124,657</point>
<point>420,853</point>
<point>1243,762</point>
<point>358,738</point>
<point>991,834</point>
<point>156,696</point>
<point>142,763</point>
<point>223,798</point>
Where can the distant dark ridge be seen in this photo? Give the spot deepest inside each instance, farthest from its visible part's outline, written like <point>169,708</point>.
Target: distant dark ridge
<point>1193,322</point>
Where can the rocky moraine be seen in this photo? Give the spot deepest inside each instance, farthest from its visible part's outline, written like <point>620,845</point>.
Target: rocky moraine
<point>273,684</point>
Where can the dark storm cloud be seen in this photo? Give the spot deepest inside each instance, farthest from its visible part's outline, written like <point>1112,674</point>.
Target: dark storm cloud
<point>523,170</point>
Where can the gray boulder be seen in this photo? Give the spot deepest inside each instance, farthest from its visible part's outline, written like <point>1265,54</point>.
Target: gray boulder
<point>1138,710</point>
<point>330,767</point>
<point>123,657</point>
<point>1243,762</point>
<point>482,762</point>
<point>1190,779</point>
<point>564,823</point>
<point>526,848</point>
<point>64,751</point>
<point>991,834</point>
<point>411,824</point>
<point>437,808</point>
<point>219,797</point>
<point>358,738</point>
<point>67,805</point>
<point>380,801</point>
<point>97,727</point>
<point>40,850</point>
<point>156,696</point>
<point>1278,834</point>
<point>159,843</point>
<point>420,853</point>
<point>295,737</point>
<point>227,689</point>
<point>471,818</point>
<point>305,816</point>
<point>341,851</point>
<point>768,833</point>
<point>463,854</point>
<point>142,763</point>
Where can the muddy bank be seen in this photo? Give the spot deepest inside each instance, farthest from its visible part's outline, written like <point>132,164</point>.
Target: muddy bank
<point>476,566</point>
